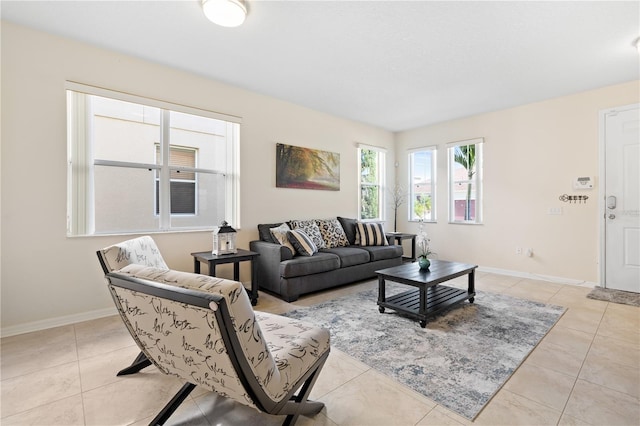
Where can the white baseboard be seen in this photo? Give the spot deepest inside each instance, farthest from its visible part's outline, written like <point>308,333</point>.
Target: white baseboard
<point>56,322</point>
<point>532,276</point>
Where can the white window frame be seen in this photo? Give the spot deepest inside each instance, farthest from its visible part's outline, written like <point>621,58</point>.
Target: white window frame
<point>381,163</point>
<point>476,180</point>
<point>433,177</point>
<point>80,198</point>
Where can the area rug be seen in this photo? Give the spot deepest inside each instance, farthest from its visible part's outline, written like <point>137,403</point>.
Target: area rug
<point>615,296</point>
<point>462,357</point>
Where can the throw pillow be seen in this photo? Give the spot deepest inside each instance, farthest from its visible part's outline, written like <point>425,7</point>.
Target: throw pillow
<point>349,226</point>
<point>280,235</point>
<point>302,242</point>
<point>332,233</point>
<point>265,233</point>
<point>310,228</point>
<point>370,234</point>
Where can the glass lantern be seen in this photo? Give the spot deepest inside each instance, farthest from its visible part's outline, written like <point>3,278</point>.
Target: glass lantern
<point>224,239</point>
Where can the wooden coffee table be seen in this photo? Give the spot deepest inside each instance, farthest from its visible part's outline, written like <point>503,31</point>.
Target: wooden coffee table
<point>429,297</point>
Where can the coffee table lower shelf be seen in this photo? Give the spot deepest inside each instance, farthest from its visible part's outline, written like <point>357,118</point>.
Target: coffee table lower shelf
<point>437,299</point>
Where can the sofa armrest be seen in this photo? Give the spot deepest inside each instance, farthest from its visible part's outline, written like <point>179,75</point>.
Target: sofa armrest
<point>269,263</point>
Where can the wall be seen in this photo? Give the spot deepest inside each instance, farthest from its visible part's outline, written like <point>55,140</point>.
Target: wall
<point>531,155</point>
<point>48,278</point>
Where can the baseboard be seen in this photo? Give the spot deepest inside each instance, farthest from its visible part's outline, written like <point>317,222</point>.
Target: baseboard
<point>529,275</point>
<point>56,322</point>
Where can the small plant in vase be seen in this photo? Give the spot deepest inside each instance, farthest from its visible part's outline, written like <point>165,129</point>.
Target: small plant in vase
<point>424,248</point>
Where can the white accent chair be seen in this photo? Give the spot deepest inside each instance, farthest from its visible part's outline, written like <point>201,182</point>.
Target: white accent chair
<point>204,330</point>
<point>140,251</point>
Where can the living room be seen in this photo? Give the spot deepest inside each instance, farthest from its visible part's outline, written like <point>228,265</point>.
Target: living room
<point>532,153</point>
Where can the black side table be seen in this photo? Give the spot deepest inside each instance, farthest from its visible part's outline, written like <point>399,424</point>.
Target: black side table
<point>397,237</point>
<point>235,258</point>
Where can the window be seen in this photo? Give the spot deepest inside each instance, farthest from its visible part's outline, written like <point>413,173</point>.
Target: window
<point>141,165</point>
<point>372,178</point>
<point>182,183</point>
<point>465,181</point>
<point>422,184</point>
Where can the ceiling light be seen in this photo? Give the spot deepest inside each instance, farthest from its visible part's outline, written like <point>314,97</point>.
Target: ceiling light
<point>227,13</point>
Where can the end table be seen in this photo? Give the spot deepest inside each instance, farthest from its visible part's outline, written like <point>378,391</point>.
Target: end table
<point>397,237</point>
<point>235,258</point>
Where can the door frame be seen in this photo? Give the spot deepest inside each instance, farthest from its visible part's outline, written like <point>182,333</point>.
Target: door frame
<point>602,116</point>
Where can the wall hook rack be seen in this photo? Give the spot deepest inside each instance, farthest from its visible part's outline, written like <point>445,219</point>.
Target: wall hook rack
<point>574,198</point>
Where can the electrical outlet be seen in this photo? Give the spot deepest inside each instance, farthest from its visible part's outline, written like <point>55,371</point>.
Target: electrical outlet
<point>518,250</point>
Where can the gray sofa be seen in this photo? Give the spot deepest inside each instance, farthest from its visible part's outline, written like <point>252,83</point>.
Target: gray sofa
<point>289,275</point>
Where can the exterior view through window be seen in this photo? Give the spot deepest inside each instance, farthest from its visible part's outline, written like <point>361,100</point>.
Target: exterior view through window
<point>422,190</point>
<point>465,181</point>
<point>371,183</point>
<point>143,167</point>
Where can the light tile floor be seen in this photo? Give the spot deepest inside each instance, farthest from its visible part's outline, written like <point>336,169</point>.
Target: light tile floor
<point>586,371</point>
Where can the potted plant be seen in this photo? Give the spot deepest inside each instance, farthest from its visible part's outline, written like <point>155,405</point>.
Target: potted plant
<point>424,248</point>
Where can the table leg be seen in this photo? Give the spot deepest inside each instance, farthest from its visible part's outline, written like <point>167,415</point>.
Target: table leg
<point>212,269</point>
<point>413,248</point>
<point>196,265</point>
<point>236,271</point>
<point>254,283</point>
<point>472,284</point>
<point>381,295</point>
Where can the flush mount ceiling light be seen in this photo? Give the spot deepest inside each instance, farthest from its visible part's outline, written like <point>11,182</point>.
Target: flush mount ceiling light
<point>227,13</point>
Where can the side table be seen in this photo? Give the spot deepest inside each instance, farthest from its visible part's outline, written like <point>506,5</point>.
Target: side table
<point>397,237</point>
<point>235,258</point>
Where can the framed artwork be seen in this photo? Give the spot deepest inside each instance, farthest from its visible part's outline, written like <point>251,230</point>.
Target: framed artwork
<point>306,168</point>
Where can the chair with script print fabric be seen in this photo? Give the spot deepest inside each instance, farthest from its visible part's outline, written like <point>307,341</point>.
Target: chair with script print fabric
<point>204,331</point>
<point>139,251</point>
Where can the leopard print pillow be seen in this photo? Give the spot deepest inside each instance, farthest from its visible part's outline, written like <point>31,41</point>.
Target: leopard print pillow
<point>332,233</point>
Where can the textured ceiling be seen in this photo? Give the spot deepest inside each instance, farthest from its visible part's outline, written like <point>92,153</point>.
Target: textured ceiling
<point>394,64</point>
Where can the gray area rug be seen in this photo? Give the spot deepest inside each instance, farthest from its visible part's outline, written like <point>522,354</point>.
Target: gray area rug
<point>462,357</point>
<point>615,296</point>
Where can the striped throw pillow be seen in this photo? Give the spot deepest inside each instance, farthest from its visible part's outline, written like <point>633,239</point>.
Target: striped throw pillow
<point>302,242</point>
<point>370,234</point>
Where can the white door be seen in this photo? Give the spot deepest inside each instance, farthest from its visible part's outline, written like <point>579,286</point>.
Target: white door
<point>622,199</point>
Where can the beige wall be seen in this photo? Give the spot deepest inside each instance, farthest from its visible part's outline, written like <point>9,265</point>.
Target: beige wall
<point>531,155</point>
<point>48,278</point>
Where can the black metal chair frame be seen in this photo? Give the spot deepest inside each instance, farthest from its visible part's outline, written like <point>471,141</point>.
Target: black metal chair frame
<point>293,405</point>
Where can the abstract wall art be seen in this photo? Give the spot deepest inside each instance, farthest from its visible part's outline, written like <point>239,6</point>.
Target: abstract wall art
<point>307,168</point>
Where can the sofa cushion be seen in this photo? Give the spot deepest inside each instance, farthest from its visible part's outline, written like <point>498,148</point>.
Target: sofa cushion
<point>370,234</point>
<point>280,234</point>
<point>349,256</point>
<point>310,228</point>
<point>383,252</point>
<point>349,227</point>
<point>332,233</point>
<point>302,242</point>
<point>265,233</point>
<point>307,265</point>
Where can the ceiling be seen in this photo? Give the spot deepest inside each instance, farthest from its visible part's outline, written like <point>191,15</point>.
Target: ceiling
<point>393,64</point>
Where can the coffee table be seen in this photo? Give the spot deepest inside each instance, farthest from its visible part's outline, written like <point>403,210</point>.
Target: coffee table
<point>428,298</point>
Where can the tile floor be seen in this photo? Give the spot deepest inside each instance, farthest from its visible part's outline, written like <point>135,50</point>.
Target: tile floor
<point>586,371</point>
